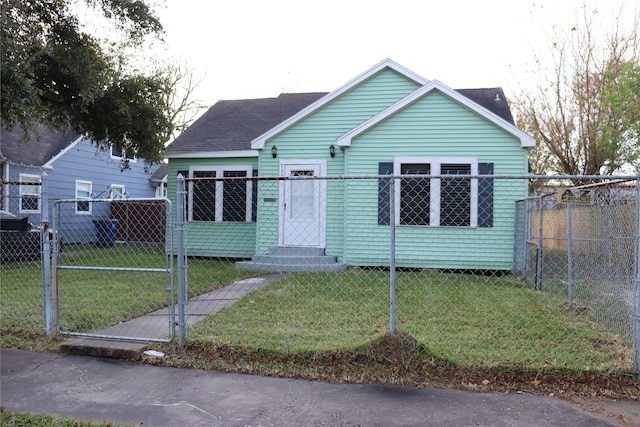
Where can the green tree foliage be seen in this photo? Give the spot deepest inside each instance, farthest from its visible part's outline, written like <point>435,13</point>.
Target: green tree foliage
<point>55,73</point>
<point>584,110</point>
<point>619,133</point>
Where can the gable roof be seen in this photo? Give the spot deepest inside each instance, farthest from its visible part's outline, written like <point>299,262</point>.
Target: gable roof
<point>231,125</point>
<point>259,142</point>
<point>38,150</point>
<point>505,122</point>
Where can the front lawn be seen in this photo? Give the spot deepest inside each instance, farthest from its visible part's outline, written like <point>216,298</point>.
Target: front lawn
<point>461,319</point>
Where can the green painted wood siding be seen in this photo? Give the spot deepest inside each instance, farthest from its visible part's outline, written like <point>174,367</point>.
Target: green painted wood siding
<point>311,138</point>
<point>433,126</point>
<point>214,239</point>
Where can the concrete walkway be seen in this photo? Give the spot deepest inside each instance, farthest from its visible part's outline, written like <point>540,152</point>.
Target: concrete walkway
<point>155,325</point>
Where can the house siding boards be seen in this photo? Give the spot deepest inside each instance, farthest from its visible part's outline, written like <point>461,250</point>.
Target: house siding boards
<point>310,139</point>
<point>433,126</point>
<point>232,239</point>
<point>67,159</point>
<point>83,162</point>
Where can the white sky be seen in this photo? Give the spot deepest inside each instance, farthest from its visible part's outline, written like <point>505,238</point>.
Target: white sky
<point>260,48</point>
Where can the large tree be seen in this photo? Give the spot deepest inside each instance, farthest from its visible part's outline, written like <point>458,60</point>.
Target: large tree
<point>584,110</point>
<point>54,72</point>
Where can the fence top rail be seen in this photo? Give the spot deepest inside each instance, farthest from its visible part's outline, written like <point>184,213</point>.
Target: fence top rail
<point>616,179</point>
<point>131,199</point>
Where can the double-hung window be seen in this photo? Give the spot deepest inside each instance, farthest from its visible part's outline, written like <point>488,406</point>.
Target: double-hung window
<point>220,200</point>
<point>439,201</point>
<point>83,197</point>
<point>30,193</point>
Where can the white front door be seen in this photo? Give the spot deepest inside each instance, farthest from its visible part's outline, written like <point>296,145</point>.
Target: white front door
<point>302,207</point>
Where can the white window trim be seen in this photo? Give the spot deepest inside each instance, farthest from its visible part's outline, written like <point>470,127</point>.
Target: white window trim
<point>90,184</point>
<point>115,196</point>
<point>434,202</point>
<point>24,177</point>
<point>220,170</point>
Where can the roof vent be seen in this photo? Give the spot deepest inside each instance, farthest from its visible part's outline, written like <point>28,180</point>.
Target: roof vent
<point>497,97</point>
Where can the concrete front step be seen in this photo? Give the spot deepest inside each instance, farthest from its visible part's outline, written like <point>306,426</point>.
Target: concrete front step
<point>292,268</point>
<point>288,260</point>
<point>293,259</point>
<point>296,251</point>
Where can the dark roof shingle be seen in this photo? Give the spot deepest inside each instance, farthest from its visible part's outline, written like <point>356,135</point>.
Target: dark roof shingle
<point>232,125</point>
<point>492,99</point>
<point>43,145</point>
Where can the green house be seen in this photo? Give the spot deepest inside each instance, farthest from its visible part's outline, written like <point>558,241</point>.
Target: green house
<point>322,165</point>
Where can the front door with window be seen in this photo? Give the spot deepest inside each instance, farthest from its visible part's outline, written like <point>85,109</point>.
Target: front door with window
<point>302,208</point>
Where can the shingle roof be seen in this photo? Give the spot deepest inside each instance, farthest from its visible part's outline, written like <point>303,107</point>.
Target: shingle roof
<point>231,125</point>
<point>38,150</point>
<point>492,99</point>
<point>159,174</point>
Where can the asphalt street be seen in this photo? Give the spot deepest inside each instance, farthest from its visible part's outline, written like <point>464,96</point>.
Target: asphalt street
<point>100,389</point>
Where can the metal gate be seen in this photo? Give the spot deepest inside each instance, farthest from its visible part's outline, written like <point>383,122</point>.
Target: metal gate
<point>112,269</point>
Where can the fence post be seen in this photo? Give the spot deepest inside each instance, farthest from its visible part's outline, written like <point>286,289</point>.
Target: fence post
<point>46,255</point>
<point>539,254</point>
<point>527,240</point>
<point>569,257</point>
<point>182,271</point>
<point>392,257</point>
<point>636,277</point>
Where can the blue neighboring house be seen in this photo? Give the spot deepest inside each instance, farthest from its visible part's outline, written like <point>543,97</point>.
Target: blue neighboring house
<point>75,169</point>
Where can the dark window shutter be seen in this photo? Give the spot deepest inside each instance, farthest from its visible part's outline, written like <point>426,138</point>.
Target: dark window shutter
<point>254,198</point>
<point>384,168</point>
<point>485,195</point>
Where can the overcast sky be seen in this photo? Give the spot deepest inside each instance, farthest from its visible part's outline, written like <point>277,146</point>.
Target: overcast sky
<point>260,48</point>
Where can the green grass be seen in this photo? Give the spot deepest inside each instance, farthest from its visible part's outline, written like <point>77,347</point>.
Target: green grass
<point>20,419</point>
<point>461,319</point>
<point>90,300</point>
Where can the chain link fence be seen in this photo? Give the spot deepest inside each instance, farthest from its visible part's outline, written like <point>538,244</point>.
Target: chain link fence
<point>21,237</point>
<point>581,244</point>
<point>111,265</point>
<point>462,265</point>
<point>451,262</point>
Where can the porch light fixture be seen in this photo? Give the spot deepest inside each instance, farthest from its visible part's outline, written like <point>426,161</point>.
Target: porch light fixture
<point>332,150</point>
<point>274,151</point>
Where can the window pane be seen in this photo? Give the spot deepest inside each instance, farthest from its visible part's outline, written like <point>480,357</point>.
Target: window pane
<point>82,207</point>
<point>117,192</point>
<point>415,194</point>
<point>234,197</point>
<point>29,194</point>
<point>204,197</point>
<point>83,191</point>
<point>29,203</point>
<point>455,196</point>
